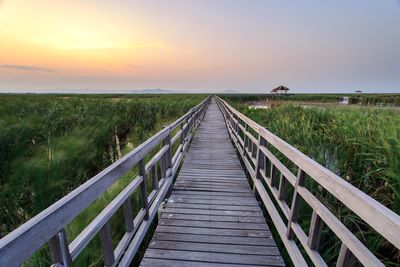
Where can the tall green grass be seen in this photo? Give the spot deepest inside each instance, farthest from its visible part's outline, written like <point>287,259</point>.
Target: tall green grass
<point>358,144</point>
<point>51,144</point>
<point>364,99</point>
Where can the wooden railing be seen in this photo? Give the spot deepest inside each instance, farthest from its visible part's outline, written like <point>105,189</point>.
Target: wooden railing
<point>49,225</point>
<point>271,178</point>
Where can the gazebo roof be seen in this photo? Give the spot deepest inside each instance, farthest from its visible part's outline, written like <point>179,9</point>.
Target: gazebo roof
<point>280,88</point>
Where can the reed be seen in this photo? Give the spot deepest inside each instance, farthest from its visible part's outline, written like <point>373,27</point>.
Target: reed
<point>361,99</point>
<point>362,145</point>
<point>50,144</point>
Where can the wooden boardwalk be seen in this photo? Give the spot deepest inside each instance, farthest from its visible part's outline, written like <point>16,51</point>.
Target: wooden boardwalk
<point>212,217</point>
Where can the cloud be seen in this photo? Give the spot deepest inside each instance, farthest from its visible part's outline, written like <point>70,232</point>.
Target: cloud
<point>25,67</point>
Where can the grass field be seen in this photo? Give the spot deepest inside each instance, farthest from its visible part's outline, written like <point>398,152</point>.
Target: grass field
<point>361,99</point>
<point>362,145</point>
<point>50,144</point>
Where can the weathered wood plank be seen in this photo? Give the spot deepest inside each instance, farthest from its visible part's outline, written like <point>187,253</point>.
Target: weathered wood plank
<point>214,218</point>
<point>214,212</point>
<point>211,231</point>
<point>213,201</point>
<point>212,195</point>
<point>227,248</point>
<point>255,260</point>
<point>231,184</point>
<point>210,188</point>
<point>214,207</point>
<point>215,225</point>
<point>180,263</point>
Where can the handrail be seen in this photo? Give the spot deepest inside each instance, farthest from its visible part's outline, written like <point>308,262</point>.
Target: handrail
<point>49,225</point>
<point>263,165</point>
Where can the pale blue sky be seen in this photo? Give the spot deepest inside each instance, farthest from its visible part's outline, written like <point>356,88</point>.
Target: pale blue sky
<point>200,46</point>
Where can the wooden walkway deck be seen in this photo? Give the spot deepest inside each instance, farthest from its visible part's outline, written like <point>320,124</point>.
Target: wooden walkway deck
<point>212,217</point>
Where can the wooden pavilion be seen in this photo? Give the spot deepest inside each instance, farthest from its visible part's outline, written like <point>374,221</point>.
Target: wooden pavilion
<point>280,90</point>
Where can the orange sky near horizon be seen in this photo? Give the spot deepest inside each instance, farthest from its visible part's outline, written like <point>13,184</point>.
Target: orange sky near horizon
<point>55,35</point>
<point>186,45</point>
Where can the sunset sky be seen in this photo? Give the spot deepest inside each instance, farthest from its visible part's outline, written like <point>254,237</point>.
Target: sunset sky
<point>199,45</point>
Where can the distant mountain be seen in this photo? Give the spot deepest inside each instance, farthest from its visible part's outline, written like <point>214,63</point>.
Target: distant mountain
<point>229,91</point>
<point>152,91</point>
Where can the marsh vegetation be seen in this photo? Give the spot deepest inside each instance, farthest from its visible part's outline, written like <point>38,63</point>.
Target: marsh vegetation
<point>361,145</point>
<point>51,144</point>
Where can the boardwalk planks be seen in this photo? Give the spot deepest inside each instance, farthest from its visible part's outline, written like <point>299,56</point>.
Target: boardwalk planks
<point>212,217</point>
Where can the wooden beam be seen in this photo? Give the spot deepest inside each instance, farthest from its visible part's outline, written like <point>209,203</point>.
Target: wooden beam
<point>106,245</point>
<point>346,258</point>
<point>314,234</point>
<point>295,208</point>
<point>128,215</point>
<point>143,189</point>
<point>59,249</point>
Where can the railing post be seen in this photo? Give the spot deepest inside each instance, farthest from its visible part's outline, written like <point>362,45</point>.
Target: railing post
<point>282,187</point>
<point>272,174</point>
<point>236,131</point>
<point>154,177</point>
<point>163,166</point>
<point>245,139</point>
<point>294,213</point>
<point>187,128</point>
<point>196,118</point>
<point>128,215</point>
<point>106,245</point>
<point>204,110</point>
<point>236,127</point>
<point>59,249</point>
<point>190,120</point>
<point>196,115</point>
<point>346,258</point>
<point>314,234</point>
<point>260,159</point>
<point>143,188</point>
<point>168,154</point>
<point>183,137</point>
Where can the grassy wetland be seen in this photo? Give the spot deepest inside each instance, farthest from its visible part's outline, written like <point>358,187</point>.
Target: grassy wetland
<point>360,144</point>
<point>51,144</point>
